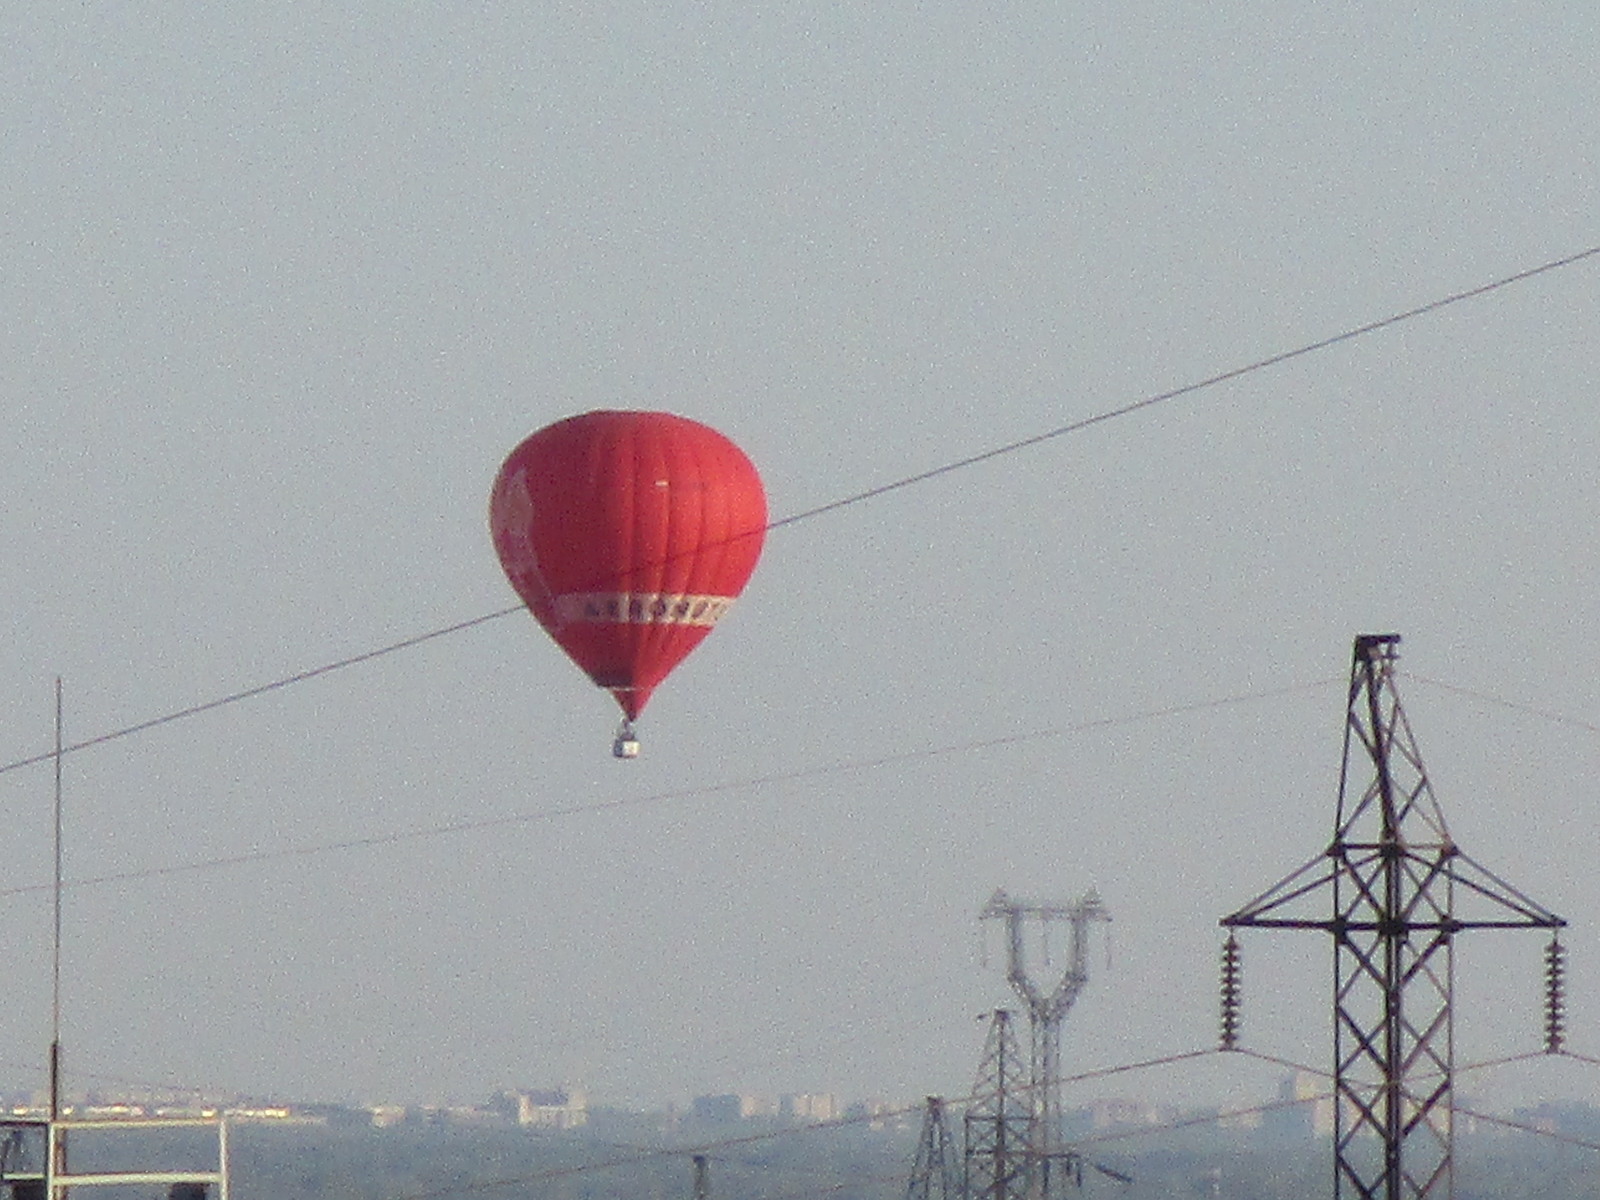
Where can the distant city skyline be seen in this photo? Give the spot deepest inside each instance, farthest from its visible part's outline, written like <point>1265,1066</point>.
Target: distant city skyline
<point>282,287</point>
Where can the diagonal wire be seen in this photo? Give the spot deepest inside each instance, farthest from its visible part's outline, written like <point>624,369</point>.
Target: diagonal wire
<point>715,789</point>
<point>1512,705</point>
<point>1190,1120</point>
<point>1524,1127</point>
<point>260,690</point>
<point>645,1155</point>
<point>1187,389</point>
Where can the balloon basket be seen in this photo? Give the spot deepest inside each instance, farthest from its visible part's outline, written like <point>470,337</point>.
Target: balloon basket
<point>626,745</point>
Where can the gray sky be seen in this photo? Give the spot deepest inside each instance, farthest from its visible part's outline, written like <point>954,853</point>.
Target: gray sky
<point>282,285</point>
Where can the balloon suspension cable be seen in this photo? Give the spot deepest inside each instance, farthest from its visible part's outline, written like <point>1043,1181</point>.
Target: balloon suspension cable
<point>626,745</point>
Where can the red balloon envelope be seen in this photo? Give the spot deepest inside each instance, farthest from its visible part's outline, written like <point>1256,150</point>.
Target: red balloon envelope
<point>628,534</point>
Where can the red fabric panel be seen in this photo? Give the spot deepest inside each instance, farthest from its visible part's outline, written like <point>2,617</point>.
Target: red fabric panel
<point>639,506</point>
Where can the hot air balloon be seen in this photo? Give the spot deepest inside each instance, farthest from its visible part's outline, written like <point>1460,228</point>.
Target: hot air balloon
<point>628,535</point>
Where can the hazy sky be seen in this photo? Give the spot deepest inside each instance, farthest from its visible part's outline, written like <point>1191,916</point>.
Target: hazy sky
<point>282,285</point>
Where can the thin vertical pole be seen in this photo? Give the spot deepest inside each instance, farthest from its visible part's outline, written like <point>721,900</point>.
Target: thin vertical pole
<point>56,1159</point>
<point>55,996</point>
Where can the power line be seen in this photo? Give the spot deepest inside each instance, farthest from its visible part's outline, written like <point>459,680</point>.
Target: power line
<point>1523,1127</point>
<point>1505,1061</point>
<point>854,1181</point>
<point>260,690</point>
<point>1281,1062</point>
<point>650,1155</point>
<point>656,1155</point>
<point>1259,364</point>
<point>1190,1120</point>
<point>1512,705</point>
<point>375,840</point>
<point>767,1135</point>
<point>1200,1118</point>
<point>1187,389</point>
<point>634,1155</point>
<point>732,786</point>
<point>1481,1065</point>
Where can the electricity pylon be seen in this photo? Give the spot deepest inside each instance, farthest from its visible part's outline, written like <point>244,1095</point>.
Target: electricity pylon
<point>1051,1163</point>
<point>1394,876</point>
<point>933,1174</point>
<point>997,1119</point>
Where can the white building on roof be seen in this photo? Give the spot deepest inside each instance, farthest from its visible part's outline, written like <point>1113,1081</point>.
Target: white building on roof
<point>563,1108</point>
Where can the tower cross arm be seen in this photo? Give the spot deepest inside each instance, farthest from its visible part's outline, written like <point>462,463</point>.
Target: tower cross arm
<point>1511,908</point>
<point>1303,882</point>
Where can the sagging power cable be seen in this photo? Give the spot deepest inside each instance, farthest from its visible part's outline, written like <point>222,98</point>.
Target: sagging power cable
<point>1210,381</point>
<point>732,786</point>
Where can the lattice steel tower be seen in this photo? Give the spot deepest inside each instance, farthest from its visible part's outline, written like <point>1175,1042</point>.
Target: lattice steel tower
<point>1395,877</point>
<point>933,1169</point>
<point>998,1119</point>
<point>1051,1163</point>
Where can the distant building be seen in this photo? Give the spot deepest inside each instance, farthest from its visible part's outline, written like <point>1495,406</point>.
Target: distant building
<point>564,1108</point>
<point>1314,1107</point>
<point>727,1107</point>
<point>1240,1120</point>
<point>808,1106</point>
<point>717,1110</point>
<point>1565,1118</point>
<point>1122,1114</point>
<point>270,1114</point>
<point>110,1111</point>
<point>465,1114</point>
<point>879,1114</point>
<point>1306,1106</point>
<point>386,1116</point>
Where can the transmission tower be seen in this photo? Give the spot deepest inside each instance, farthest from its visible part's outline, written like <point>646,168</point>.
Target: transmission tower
<point>1051,1163</point>
<point>997,1120</point>
<point>933,1170</point>
<point>1394,876</point>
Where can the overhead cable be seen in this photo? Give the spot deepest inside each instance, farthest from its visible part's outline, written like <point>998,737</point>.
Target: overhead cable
<point>1512,705</point>
<point>736,785</point>
<point>1187,389</point>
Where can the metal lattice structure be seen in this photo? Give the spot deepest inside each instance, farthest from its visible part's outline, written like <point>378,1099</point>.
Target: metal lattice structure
<point>1401,890</point>
<point>33,1160</point>
<point>997,1121</point>
<point>933,1169</point>
<point>1051,1164</point>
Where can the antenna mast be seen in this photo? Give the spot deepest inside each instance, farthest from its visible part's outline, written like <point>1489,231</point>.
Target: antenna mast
<point>55,942</point>
<point>33,1150</point>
